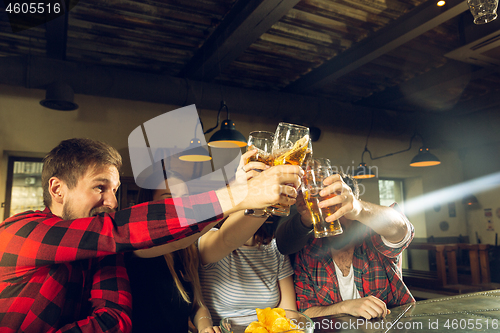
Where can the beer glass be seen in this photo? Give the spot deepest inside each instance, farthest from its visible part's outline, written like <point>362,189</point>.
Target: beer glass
<point>263,142</point>
<point>316,172</point>
<point>289,147</point>
<point>484,11</point>
<point>309,154</point>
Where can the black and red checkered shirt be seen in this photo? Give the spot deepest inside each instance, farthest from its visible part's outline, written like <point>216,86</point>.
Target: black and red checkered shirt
<point>65,276</point>
<point>376,266</point>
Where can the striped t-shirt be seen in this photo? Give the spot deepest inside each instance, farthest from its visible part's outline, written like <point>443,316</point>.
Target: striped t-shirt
<point>244,280</point>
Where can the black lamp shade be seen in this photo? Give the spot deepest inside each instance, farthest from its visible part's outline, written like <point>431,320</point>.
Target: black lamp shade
<point>59,96</point>
<point>424,159</point>
<point>227,136</point>
<point>470,201</point>
<point>195,152</point>
<point>363,172</point>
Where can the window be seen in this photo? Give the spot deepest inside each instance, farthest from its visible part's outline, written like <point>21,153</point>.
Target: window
<point>390,191</point>
<point>24,185</point>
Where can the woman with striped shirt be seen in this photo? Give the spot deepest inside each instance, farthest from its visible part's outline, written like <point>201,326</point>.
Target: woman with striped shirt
<point>241,267</point>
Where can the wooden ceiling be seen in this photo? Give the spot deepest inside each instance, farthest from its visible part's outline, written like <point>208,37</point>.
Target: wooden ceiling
<point>384,55</point>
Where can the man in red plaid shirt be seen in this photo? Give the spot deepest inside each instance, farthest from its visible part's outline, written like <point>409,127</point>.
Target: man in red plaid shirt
<point>61,269</point>
<point>357,272</point>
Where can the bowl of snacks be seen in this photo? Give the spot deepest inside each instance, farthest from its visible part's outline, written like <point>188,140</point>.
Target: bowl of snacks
<point>268,320</point>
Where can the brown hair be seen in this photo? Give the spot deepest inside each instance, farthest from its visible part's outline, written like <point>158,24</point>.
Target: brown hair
<point>265,234</point>
<point>190,261</point>
<point>72,158</point>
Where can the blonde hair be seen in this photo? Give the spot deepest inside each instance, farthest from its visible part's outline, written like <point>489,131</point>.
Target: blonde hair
<point>189,258</point>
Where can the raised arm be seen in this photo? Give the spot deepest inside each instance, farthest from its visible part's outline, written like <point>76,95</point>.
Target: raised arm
<point>293,233</point>
<point>385,221</point>
<point>257,189</point>
<point>234,232</point>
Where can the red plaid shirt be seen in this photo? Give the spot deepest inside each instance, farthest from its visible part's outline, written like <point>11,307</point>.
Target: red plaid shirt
<point>64,276</point>
<point>377,272</point>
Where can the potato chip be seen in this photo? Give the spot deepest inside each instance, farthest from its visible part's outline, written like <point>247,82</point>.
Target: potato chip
<point>280,325</point>
<point>280,311</point>
<point>260,330</point>
<point>253,325</point>
<point>272,320</point>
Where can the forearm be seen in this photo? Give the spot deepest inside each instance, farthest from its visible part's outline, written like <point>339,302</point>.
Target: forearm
<point>173,246</point>
<point>234,232</point>
<point>202,319</point>
<point>385,221</point>
<point>287,294</point>
<point>137,227</point>
<point>238,228</point>
<point>367,307</point>
<point>227,201</point>
<point>292,235</point>
<point>326,310</point>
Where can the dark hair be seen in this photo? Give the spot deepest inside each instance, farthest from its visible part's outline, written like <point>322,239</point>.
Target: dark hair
<point>265,234</point>
<point>72,158</point>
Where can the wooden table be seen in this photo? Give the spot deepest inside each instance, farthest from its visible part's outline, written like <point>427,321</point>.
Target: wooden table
<point>476,312</point>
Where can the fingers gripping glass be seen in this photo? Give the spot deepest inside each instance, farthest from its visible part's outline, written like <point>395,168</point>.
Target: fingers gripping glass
<point>263,142</point>
<point>316,172</point>
<point>290,146</point>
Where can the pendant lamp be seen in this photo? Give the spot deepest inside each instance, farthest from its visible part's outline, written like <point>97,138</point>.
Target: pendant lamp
<point>227,136</point>
<point>59,96</point>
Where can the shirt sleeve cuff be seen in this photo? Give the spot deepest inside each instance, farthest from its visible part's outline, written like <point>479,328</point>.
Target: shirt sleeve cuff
<point>203,207</point>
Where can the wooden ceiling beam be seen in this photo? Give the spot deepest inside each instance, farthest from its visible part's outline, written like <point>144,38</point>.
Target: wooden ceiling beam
<point>242,26</point>
<point>56,33</point>
<point>423,18</point>
<point>94,80</point>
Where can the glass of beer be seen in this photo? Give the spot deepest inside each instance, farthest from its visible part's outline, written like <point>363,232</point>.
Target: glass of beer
<point>316,172</point>
<point>263,142</point>
<point>289,147</point>
<point>309,154</point>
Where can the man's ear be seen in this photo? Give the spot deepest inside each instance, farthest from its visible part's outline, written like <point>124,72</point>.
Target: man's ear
<point>56,189</point>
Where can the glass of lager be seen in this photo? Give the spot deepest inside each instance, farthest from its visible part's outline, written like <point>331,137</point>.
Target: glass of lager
<point>289,147</point>
<point>263,142</point>
<point>316,172</point>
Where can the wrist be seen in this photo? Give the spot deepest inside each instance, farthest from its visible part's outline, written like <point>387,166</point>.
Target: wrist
<point>342,308</point>
<point>204,322</point>
<point>361,211</point>
<point>226,200</point>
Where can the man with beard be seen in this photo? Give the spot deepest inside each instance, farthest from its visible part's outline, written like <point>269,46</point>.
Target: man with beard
<point>61,270</point>
<point>357,272</point>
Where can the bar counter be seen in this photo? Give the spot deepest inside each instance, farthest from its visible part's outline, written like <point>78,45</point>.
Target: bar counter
<point>476,312</point>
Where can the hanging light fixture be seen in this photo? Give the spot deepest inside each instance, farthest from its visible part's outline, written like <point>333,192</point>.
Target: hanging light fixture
<point>59,96</point>
<point>195,152</point>
<point>363,172</point>
<point>227,136</point>
<point>470,201</point>
<point>424,158</point>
